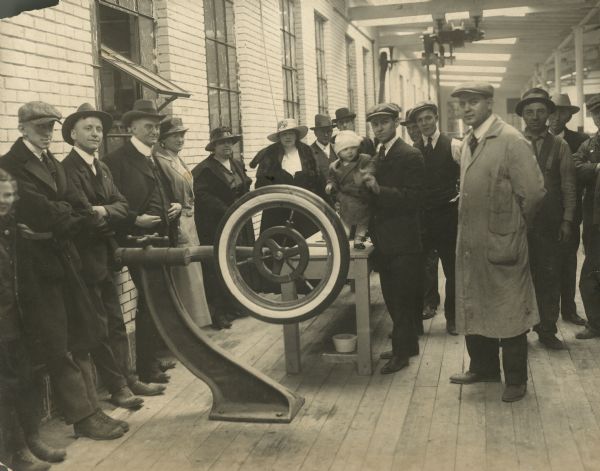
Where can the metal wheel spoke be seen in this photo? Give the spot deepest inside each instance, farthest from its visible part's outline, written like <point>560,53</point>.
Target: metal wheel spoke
<point>306,282</point>
<point>277,266</point>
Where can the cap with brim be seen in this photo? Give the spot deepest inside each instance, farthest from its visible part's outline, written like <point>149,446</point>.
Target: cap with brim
<point>408,118</point>
<point>474,88</point>
<point>593,103</point>
<point>288,124</point>
<point>383,109</point>
<point>84,111</point>
<point>221,134</point>
<point>322,121</point>
<point>171,126</point>
<point>535,95</point>
<point>38,112</point>
<point>142,109</point>
<point>424,105</point>
<point>563,102</point>
<point>343,113</point>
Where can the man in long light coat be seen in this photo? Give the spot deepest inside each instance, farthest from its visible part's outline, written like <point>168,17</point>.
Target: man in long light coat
<point>501,189</point>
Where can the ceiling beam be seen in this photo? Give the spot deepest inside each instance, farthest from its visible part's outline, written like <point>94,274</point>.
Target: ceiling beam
<point>375,12</point>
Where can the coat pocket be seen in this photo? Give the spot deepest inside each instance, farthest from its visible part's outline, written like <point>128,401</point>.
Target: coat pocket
<point>504,223</point>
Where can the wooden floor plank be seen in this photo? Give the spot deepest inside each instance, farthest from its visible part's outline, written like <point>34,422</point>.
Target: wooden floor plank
<point>499,431</point>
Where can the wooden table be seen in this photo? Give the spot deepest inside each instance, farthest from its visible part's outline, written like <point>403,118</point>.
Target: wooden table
<point>359,274</point>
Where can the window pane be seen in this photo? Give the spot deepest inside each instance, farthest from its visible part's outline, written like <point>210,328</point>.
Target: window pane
<point>222,61</point>
<point>230,23</point>
<point>225,116</point>
<point>209,18</point>
<point>288,51</point>
<point>220,17</point>
<point>233,79</point>
<point>284,15</point>
<point>293,51</point>
<point>213,108</point>
<point>129,4</point>
<point>211,63</point>
<point>292,28</point>
<point>146,30</point>
<point>235,113</point>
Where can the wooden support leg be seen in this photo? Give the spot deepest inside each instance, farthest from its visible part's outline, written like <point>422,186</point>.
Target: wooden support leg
<point>291,334</point>
<point>363,313</point>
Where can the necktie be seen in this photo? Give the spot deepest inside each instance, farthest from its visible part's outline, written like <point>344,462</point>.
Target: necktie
<point>473,144</point>
<point>381,152</point>
<point>49,165</point>
<point>429,146</point>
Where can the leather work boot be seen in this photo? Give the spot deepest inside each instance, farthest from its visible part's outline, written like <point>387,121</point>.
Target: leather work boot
<point>143,389</point>
<point>109,420</point>
<point>514,392</point>
<point>164,365</point>
<point>43,451</point>
<point>587,333</point>
<point>124,398</point>
<point>387,355</point>
<point>23,460</point>
<point>155,376</point>
<point>96,428</point>
<point>429,312</point>
<point>574,318</point>
<point>551,341</point>
<point>468,377</point>
<point>393,365</point>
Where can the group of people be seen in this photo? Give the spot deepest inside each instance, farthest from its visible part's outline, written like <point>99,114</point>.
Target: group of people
<point>501,210</point>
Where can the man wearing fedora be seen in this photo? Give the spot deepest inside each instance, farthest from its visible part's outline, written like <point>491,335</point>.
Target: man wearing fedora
<point>322,148</point>
<point>553,225</point>
<point>142,180</point>
<point>63,328</point>
<point>91,180</point>
<point>568,256</point>
<point>440,197</point>
<point>501,187</point>
<point>344,121</point>
<point>587,163</point>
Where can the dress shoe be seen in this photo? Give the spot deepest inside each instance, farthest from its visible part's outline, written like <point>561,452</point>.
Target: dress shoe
<point>587,333</point>
<point>389,354</point>
<point>43,451</point>
<point>155,376</point>
<point>574,318</point>
<point>164,365</point>
<point>393,365</point>
<point>468,377</point>
<point>429,312</point>
<point>96,428</point>
<point>124,398</point>
<point>514,392</point>
<point>109,420</point>
<point>551,341</point>
<point>451,327</point>
<point>143,389</point>
<point>23,460</point>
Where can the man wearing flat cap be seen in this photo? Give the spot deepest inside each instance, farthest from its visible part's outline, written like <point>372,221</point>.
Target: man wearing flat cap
<point>142,180</point>
<point>395,231</point>
<point>63,328</point>
<point>322,148</point>
<point>344,121</point>
<point>440,197</point>
<point>501,188</point>
<point>568,251</point>
<point>552,228</point>
<point>92,182</point>
<point>587,163</point>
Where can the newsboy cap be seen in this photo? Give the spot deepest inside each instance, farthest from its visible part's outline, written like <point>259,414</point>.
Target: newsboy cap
<point>422,106</point>
<point>477,88</point>
<point>383,109</point>
<point>593,103</point>
<point>38,112</point>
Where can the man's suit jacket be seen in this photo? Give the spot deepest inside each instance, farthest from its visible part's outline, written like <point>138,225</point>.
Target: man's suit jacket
<point>394,225</point>
<point>135,180</point>
<point>95,190</point>
<point>574,139</point>
<point>323,160</point>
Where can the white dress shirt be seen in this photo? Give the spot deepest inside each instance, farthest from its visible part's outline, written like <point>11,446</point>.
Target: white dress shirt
<point>34,149</point>
<point>326,149</point>
<point>87,158</point>
<point>388,145</point>
<point>291,162</point>
<point>455,144</point>
<point>141,147</point>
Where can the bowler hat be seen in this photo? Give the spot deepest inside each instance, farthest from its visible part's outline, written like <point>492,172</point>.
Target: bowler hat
<point>343,113</point>
<point>384,109</point>
<point>477,88</point>
<point>593,103</point>
<point>564,102</point>
<point>288,124</point>
<point>170,126</point>
<point>535,95</point>
<point>220,134</point>
<point>424,105</point>
<point>142,109</point>
<point>84,111</point>
<point>322,121</point>
<point>38,112</point>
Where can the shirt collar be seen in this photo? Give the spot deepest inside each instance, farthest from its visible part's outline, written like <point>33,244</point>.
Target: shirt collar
<point>35,150</point>
<point>388,145</point>
<point>434,138</point>
<point>535,137</point>
<point>323,148</point>
<point>141,147</point>
<point>483,127</point>
<point>87,158</point>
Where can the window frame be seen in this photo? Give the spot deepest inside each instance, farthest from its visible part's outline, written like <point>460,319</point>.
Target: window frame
<point>322,92</point>
<point>291,95</point>
<point>351,73</point>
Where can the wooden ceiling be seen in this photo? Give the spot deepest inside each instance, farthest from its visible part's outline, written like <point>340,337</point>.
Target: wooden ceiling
<point>541,28</point>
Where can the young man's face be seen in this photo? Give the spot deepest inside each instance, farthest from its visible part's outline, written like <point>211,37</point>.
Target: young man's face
<point>40,135</point>
<point>384,127</point>
<point>476,108</point>
<point>345,124</point>
<point>87,134</point>
<point>323,135</point>
<point>535,116</point>
<point>559,119</point>
<point>146,130</point>
<point>414,132</point>
<point>427,122</point>
<point>8,195</point>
